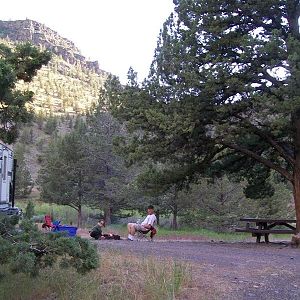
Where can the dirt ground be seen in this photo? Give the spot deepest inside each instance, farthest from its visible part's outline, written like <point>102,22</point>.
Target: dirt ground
<point>226,270</point>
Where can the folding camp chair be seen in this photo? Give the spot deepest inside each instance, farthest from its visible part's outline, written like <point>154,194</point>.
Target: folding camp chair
<point>141,235</point>
<point>47,223</point>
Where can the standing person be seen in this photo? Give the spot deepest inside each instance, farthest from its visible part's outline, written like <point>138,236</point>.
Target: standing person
<point>145,226</point>
<point>96,232</point>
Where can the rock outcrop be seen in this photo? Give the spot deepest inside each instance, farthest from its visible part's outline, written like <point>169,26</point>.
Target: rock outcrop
<point>41,35</point>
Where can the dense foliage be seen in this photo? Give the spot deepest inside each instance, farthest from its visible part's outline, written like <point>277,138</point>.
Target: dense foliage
<point>17,64</point>
<point>26,249</point>
<point>80,167</point>
<point>222,95</point>
<point>24,182</point>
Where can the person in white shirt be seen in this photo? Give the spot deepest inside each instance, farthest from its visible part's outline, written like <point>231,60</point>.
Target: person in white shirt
<point>146,225</point>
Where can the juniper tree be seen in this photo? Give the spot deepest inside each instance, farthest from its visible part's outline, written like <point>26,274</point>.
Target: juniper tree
<point>103,129</point>
<point>223,94</point>
<point>68,175</point>
<point>24,182</point>
<point>80,168</point>
<point>27,250</point>
<point>168,195</point>
<point>20,63</point>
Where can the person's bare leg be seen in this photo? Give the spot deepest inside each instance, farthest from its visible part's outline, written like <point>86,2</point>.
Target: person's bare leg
<point>131,230</point>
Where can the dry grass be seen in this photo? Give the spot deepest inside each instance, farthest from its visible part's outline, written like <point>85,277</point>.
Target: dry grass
<point>119,277</point>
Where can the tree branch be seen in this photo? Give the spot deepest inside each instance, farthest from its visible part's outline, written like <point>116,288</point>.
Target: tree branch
<point>270,140</point>
<point>260,159</point>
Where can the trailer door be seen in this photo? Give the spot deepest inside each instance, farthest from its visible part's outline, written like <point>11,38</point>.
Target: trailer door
<point>4,177</point>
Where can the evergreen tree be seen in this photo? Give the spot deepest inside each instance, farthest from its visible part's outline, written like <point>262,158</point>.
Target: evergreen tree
<point>51,126</point>
<point>29,212</point>
<point>24,248</point>
<point>24,182</point>
<point>67,175</point>
<point>80,168</point>
<point>103,129</point>
<point>167,195</point>
<point>20,63</point>
<point>222,94</point>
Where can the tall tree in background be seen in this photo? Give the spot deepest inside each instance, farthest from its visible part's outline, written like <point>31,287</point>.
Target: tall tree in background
<point>24,182</point>
<point>103,129</point>
<point>17,64</point>
<point>223,94</point>
<point>69,176</point>
<point>80,168</point>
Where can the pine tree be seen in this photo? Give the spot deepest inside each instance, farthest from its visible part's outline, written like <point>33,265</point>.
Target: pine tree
<point>222,94</point>
<point>80,168</point>
<point>20,63</point>
<point>24,182</point>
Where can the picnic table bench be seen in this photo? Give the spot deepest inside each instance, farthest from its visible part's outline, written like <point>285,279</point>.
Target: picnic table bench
<point>264,227</point>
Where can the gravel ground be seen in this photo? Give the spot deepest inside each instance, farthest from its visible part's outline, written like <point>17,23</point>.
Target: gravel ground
<point>227,270</point>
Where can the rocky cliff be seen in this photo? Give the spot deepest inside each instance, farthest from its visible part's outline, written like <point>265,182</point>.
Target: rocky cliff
<point>43,36</point>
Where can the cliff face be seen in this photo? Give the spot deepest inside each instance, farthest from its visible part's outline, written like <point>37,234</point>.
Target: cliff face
<point>41,35</point>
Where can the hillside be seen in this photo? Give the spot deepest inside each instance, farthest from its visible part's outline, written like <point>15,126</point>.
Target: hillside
<point>70,83</point>
<point>66,87</point>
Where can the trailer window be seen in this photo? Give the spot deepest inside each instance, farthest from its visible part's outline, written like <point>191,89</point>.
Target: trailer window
<point>4,167</point>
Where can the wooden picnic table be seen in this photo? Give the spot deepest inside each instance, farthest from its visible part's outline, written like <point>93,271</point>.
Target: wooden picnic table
<point>264,227</point>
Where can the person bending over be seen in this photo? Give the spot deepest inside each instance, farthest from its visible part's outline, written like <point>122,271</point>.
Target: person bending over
<point>146,225</point>
<point>96,232</point>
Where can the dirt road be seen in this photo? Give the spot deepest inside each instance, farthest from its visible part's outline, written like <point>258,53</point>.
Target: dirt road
<point>227,270</point>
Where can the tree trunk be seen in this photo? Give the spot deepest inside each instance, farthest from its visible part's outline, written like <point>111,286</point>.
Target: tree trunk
<point>174,220</point>
<point>107,214</point>
<point>79,217</point>
<point>296,175</point>
<point>157,216</point>
<point>297,197</point>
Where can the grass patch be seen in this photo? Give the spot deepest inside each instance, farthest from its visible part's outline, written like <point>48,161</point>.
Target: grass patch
<point>226,236</point>
<point>118,277</point>
<point>66,214</point>
<point>188,232</point>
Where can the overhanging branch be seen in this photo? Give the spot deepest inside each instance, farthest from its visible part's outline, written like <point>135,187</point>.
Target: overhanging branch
<point>260,159</point>
<point>268,138</point>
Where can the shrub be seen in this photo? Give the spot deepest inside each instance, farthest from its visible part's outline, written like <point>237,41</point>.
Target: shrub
<point>25,249</point>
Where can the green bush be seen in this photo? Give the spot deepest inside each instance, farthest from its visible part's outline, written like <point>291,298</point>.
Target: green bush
<point>25,249</point>
<point>29,212</point>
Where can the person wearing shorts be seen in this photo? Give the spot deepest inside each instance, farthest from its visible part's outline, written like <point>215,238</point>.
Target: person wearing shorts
<point>147,224</point>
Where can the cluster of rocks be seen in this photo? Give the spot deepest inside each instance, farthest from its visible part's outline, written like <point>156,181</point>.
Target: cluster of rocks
<point>41,35</point>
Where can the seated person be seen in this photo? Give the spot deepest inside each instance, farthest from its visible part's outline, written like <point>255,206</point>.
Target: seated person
<point>145,226</point>
<point>96,232</point>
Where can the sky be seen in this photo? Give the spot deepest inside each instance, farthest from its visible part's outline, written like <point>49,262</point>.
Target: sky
<point>117,33</point>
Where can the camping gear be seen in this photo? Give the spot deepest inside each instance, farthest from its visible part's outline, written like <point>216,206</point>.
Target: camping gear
<point>70,230</point>
<point>47,222</point>
<point>111,236</point>
<point>143,234</point>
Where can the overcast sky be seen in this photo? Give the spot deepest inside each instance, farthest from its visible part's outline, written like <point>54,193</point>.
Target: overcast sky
<point>117,33</point>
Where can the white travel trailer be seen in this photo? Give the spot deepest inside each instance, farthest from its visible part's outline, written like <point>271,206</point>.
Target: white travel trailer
<point>7,174</point>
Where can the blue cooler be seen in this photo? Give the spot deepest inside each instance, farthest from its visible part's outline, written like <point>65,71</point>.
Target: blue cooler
<point>71,230</point>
